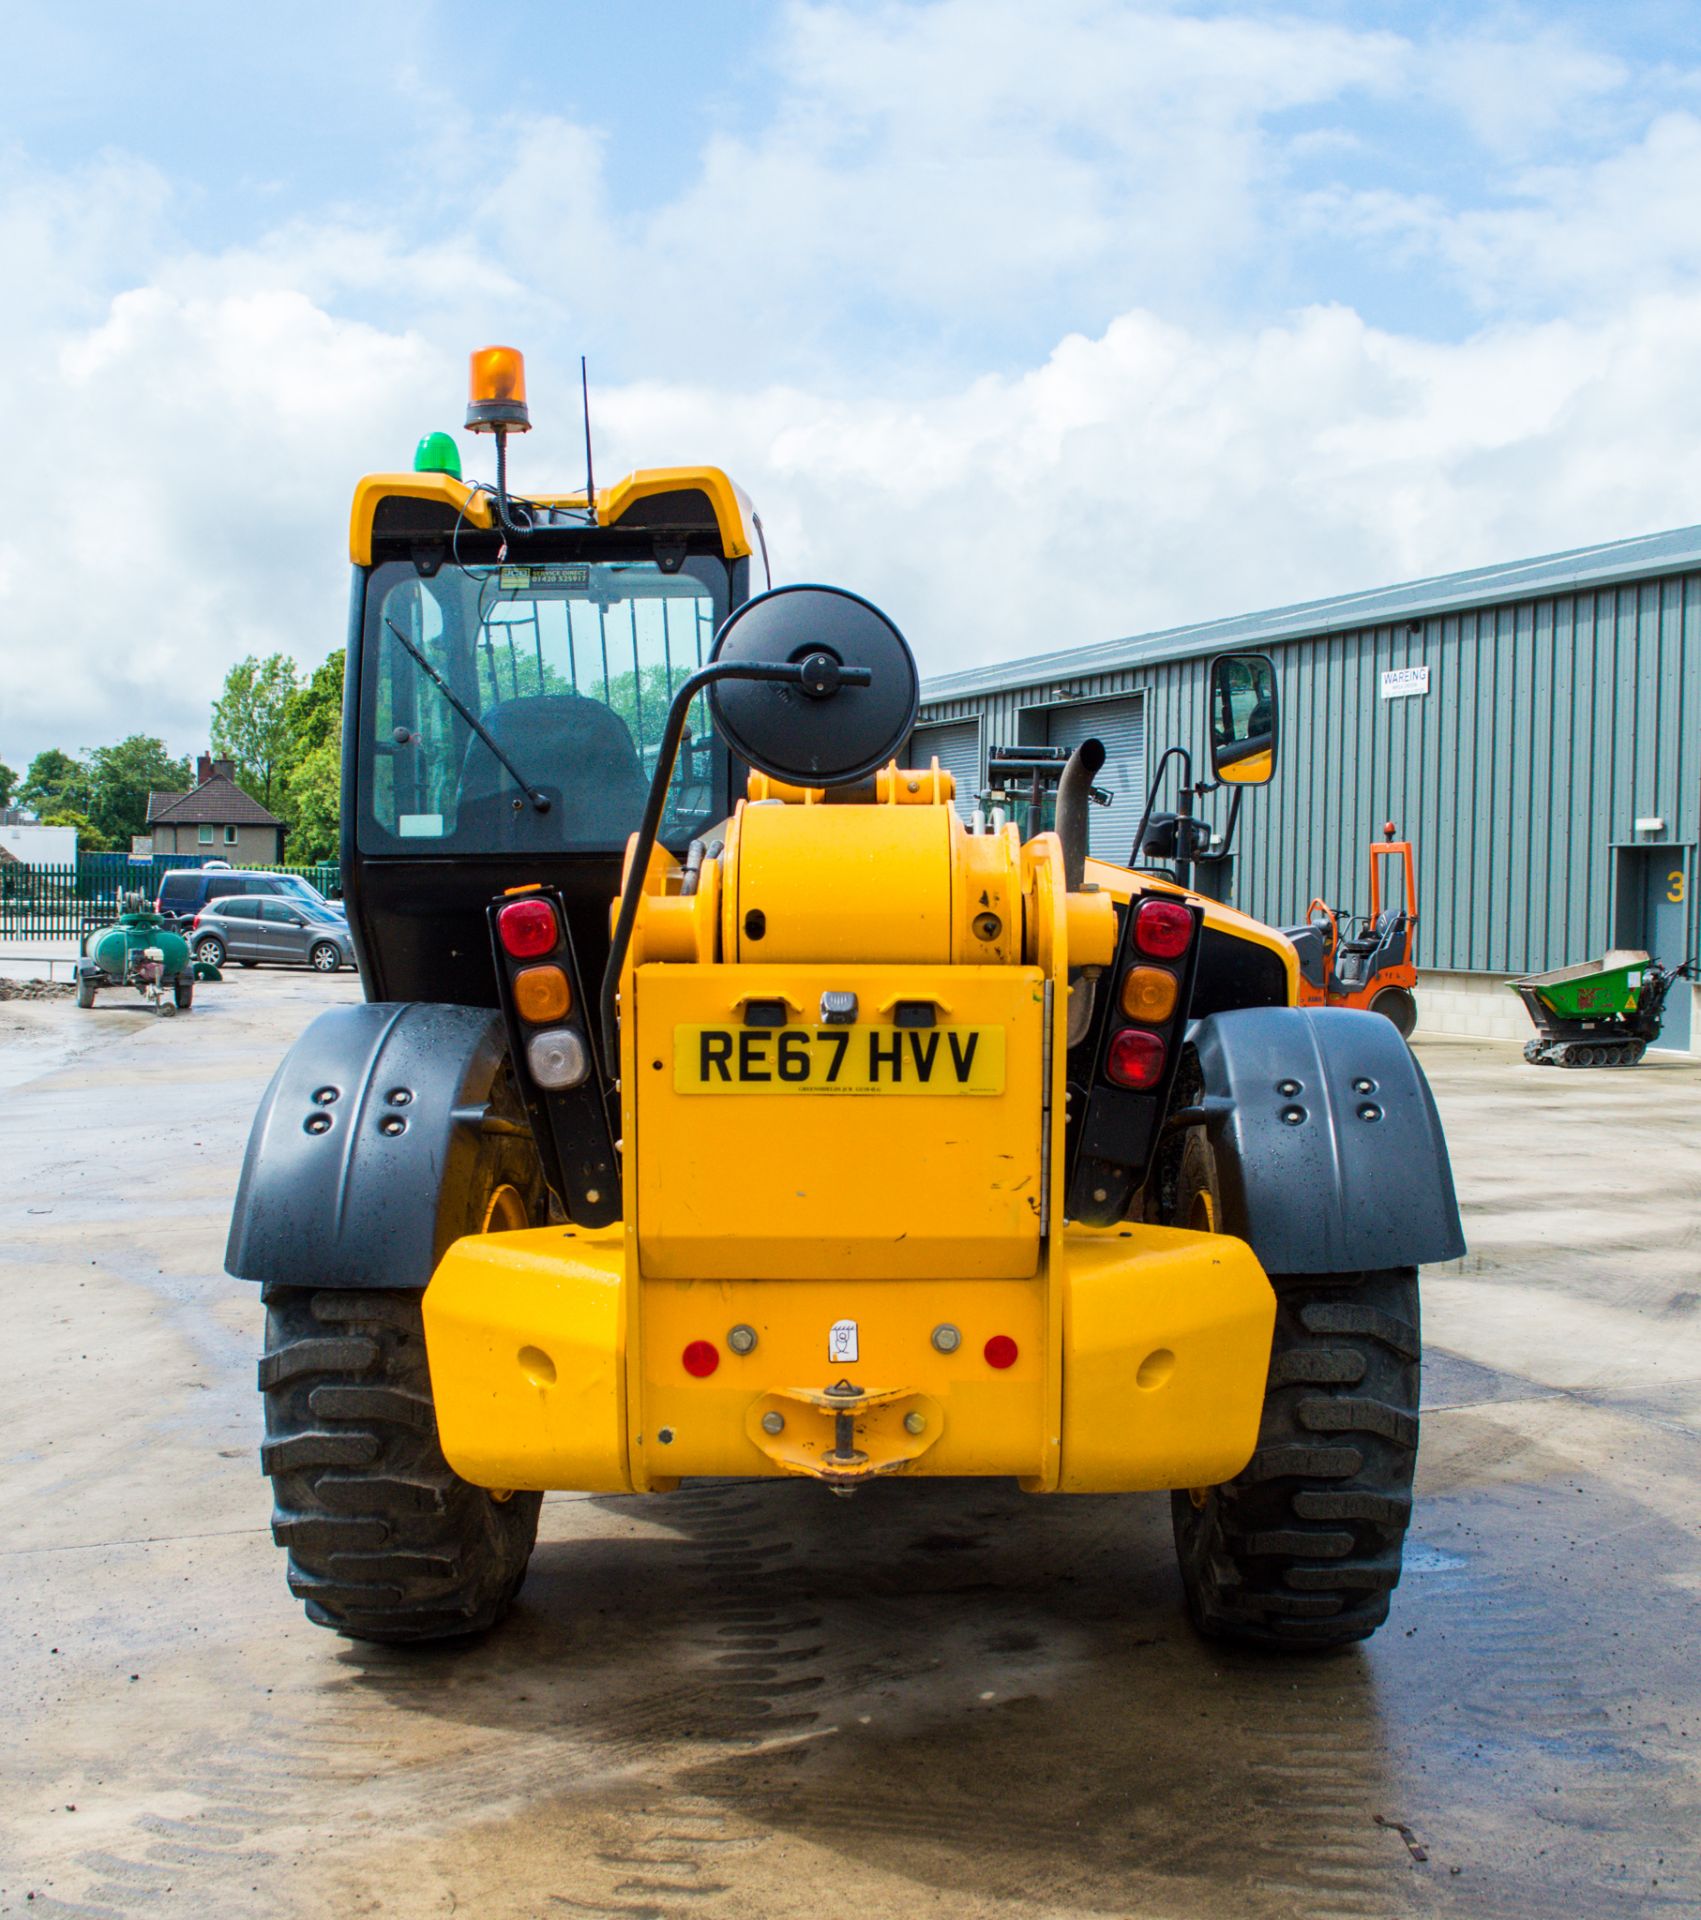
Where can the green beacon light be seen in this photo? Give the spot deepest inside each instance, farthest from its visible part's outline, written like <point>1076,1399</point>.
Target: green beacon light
<point>437,453</point>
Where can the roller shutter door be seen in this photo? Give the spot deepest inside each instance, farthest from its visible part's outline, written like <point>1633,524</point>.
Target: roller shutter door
<point>957,744</point>
<point>1120,725</point>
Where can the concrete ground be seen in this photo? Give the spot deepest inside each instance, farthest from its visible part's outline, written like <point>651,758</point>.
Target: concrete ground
<point>761,1701</point>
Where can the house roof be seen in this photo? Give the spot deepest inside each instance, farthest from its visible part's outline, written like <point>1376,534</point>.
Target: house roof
<point>1608,564</point>
<point>218,802</point>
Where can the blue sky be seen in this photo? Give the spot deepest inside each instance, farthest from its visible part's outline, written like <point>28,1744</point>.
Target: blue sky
<point>1037,324</point>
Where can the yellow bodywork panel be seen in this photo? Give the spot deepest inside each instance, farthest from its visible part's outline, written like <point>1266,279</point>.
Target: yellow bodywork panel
<point>1120,884</point>
<point>879,1174</point>
<point>866,883</point>
<point>525,1333</point>
<point>1162,1355</point>
<point>979,1419</point>
<point>1167,1345</point>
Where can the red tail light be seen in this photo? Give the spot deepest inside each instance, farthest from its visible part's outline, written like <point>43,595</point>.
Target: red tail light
<point>1162,929</point>
<point>527,928</point>
<point>1136,1060</point>
<point>193,924</point>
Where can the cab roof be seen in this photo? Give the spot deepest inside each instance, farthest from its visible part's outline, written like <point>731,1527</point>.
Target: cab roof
<point>652,497</point>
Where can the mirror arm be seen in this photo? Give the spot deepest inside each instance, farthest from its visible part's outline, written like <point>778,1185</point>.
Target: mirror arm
<point>1186,760</point>
<point>819,675</point>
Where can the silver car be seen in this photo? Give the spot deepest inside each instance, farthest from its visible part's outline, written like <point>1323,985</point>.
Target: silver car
<point>260,929</point>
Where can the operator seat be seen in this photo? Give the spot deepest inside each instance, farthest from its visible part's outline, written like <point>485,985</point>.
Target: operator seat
<point>1383,945</point>
<point>575,749</point>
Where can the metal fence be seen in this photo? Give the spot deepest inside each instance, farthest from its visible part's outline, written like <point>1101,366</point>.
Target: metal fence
<point>59,902</point>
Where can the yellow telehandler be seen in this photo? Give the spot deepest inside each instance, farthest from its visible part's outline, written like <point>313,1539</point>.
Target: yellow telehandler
<point>721,1106</point>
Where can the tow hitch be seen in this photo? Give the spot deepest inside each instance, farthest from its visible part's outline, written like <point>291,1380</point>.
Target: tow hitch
<point>844,1434</point>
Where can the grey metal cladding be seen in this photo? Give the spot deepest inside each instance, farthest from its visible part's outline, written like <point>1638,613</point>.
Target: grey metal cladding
<point>1330,1155</point>
<point>957,746</point>
<point>361,1156</point>
<point>1551,725</point>
<point>1119,726</point>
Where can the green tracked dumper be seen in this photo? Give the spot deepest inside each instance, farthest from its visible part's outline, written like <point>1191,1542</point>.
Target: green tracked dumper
<point>1599,1013</point>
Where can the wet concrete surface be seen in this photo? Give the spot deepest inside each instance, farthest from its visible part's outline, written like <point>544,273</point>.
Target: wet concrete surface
<point>762,1701</point>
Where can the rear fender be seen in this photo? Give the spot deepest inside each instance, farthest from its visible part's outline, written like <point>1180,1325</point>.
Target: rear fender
<point>1330,1155</point>
<point>362,1156</point>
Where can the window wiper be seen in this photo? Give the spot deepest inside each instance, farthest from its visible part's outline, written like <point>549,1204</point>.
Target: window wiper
<point>535,795</point>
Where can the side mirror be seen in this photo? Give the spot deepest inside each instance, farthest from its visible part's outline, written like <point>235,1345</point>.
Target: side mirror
<point>815,736</point>
<point>1244,721</point>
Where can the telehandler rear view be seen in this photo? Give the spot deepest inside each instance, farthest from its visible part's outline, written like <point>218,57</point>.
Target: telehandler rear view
<point>721,1106</point>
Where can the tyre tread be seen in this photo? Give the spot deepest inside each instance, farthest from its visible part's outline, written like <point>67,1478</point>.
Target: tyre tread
<point>1303,1548</point>
<point>385,1541</point>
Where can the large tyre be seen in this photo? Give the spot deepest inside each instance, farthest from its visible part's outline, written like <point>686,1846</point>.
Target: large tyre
<point>386,1541</point>
<point>183,993</point>
<point>85,993</point>
<point>1303,1547</point>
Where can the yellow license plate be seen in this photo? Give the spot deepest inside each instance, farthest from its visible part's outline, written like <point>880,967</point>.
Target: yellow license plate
<point>857,1059</point>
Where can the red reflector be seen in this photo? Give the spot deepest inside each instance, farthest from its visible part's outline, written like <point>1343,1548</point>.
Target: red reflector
<point>1162,929</point>
<point>527,928</point>
<point>1000,1351</point>
<point>701,1358</point>
<point>1136,1059</point>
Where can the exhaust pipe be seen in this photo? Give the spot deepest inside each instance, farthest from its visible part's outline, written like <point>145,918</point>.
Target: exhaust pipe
<point>1072,791</point>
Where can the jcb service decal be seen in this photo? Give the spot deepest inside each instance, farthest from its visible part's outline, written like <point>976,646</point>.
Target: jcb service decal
<point>859,1059</point>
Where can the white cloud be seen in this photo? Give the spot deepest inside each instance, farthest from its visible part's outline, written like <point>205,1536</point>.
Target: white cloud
<point>1582,236</point>
<point>943,313</point>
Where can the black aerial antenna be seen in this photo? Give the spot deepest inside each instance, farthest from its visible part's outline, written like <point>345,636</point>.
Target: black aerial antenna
<point>590,472</point>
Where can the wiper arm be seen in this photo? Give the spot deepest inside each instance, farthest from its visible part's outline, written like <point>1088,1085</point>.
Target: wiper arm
<point>535,795</point>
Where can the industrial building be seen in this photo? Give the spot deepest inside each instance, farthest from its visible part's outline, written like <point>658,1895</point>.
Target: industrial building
<point>1532,728</point>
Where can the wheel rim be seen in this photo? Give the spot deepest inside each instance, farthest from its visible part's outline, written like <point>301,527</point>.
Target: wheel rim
<point>506,1212</point>
<point>210,954</point>
<point>1202,1212</point>
<point>326,959</point>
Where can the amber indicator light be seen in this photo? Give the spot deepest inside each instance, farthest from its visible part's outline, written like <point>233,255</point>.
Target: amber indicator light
<point>1148,993</point>
<point>542,993</point>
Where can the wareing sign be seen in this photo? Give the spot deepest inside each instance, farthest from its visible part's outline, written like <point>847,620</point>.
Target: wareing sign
<point>1400,683</point>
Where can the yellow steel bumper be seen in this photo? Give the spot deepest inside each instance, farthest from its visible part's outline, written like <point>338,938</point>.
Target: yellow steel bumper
<point>1145,1368</point>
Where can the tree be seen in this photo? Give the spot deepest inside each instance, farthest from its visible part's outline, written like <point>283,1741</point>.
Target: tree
<point>122,777</point>
<point>251,720</point>
<point>8,781</point>
<point>315,804</point>
<point>312,786</point>
<point>55,782</point>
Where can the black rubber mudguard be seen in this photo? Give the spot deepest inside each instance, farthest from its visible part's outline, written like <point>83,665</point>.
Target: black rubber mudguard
<point>1330,1155</point>
<point>361,1156</point>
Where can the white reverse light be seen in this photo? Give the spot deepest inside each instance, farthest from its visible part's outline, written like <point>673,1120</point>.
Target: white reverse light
<point>557,1058</point>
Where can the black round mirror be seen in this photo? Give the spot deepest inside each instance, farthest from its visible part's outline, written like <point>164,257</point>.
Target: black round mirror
<point>809,738</point>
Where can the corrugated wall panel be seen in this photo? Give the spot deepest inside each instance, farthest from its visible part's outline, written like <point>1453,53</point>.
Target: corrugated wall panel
<point>1119,727</point>
<point>957,743</point>
<point>1551,725</point>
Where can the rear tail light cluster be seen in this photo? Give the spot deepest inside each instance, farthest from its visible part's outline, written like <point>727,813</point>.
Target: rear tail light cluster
<point>557,1055</point>
<point>550,1043</point>
<point>1148,994</point>
<point>1136,1056</point>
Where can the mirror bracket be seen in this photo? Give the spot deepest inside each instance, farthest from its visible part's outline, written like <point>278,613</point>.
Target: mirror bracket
<point>828,678</point>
